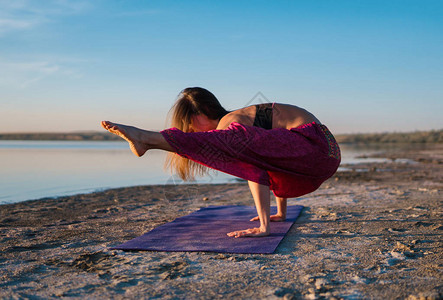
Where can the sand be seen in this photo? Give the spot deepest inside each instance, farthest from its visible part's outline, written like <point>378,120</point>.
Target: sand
<point>373,232</point>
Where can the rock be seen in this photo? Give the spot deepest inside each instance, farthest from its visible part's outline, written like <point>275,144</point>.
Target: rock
<point>282,292</point>
<point>423,224</point>
<point>437,227</point>
<point>308,279</point>
<point>320,283</point>
<point>358,279</point>
<point>401,247</point>
<point>396,230</point>
<point>59,294</point>
<point>344,232</point>
<point>333,217</point>
<point>397,255</point>
<point>327,295</point>
<point>289,296</point>
<point>310,296</point>
<point>392,261</point>
<point>419,208</point>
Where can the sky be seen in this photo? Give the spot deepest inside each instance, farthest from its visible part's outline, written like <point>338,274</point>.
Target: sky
<point>358,65</point>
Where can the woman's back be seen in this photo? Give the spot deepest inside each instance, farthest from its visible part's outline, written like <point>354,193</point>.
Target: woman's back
<point>283,116</point>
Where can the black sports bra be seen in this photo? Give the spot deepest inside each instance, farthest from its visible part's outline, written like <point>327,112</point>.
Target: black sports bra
<point>263,115</point>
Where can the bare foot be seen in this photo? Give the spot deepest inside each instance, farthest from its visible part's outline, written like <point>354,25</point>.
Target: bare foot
<point>274,218</point>
<point>131,134</point>
<point>253,232</point>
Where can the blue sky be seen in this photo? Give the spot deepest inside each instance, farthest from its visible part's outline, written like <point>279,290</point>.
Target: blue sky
<point>359,66</point>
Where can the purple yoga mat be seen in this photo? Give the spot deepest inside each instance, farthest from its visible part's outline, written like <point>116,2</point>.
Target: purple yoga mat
<point>205,230</point>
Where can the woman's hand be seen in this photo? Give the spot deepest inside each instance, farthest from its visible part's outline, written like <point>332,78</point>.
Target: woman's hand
<point>254,232</point>
<point>274,218</point>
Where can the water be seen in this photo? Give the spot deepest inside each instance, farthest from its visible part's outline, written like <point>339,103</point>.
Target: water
<point>351,154</point>
<point>37,169</point>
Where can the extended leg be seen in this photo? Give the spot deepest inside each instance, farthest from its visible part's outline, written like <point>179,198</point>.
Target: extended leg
<point>139,140</point>
<point>261,196</point>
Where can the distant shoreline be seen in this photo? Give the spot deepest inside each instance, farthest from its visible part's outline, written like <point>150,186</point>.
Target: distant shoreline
<point>422,137</point>
<point>416,137</point>
<point>72,136</point>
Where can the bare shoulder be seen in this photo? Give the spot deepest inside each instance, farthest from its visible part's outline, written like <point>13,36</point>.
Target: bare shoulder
<point>243,116</point>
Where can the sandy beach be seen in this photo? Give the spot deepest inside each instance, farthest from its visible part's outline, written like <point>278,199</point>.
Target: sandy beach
<point>371,232</point>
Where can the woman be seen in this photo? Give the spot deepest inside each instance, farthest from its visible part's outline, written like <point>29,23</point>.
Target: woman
<point>274,146</point>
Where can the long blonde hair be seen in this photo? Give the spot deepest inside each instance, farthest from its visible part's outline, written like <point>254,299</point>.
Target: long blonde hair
<point>190,102</point>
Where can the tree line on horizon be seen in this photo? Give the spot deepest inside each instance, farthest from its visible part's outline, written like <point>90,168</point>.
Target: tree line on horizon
<point>74,136</point>
<point>433,136</point>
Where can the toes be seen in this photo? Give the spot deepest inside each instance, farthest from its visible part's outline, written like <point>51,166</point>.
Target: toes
<point>106,125</point>
<point>109,126</point>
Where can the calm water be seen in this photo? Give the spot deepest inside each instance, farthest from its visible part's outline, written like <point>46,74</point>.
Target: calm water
<point>37,169</point>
